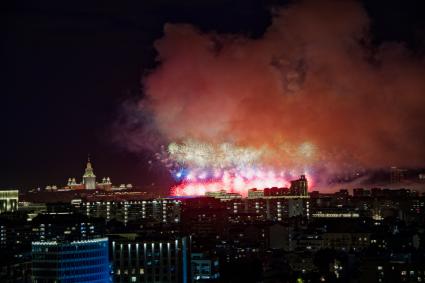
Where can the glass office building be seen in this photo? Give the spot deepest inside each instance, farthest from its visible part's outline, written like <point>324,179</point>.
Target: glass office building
<point>71,261</point>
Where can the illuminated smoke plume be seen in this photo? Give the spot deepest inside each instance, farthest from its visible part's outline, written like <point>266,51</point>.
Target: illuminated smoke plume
<point>310,93</point>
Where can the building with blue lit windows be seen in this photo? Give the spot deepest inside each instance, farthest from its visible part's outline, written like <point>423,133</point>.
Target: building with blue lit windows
<point>71,261</point>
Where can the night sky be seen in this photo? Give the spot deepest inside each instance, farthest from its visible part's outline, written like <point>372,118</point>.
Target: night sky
<point>68,68</point>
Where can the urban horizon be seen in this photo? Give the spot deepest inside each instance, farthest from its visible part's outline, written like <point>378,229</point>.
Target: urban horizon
<point>392,177</point>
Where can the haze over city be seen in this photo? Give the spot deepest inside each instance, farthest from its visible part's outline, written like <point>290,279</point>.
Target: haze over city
<point>306,87</point>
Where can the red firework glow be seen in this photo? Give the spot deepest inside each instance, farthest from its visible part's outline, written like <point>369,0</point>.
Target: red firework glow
<point>231,184</point>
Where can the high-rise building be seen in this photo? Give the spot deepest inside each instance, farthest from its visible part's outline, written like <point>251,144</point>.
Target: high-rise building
<point>89,182</point>
<point>150,259</point>
<point>9,200</point>
<point>89,179</point>
<point>299,187</point>
<point>15,248</point>
<point>71,261</point>
<point>52,226</point>
<point>15,233</point>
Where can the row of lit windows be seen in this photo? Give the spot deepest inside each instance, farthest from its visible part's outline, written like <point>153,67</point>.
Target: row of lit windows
<point>149,253</point>
<point>68,256</point>
<point>69,248</point>
<point>121,270</point>
<point>40,263</point>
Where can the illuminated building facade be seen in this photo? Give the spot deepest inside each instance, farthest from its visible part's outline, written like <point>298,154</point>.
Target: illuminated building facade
<point>223,195</point>
<point>89,178</point>
<point>89,182</point>
<point>65,226</point>
<point>9,200</point>
<point>255,193</point>
<point>74,261</point>
<point>298,189</point>
<point>160,210</point>
<point>345,240</point>
<point>141,259</point>
<point>272,209</point>
<point>277,209</point>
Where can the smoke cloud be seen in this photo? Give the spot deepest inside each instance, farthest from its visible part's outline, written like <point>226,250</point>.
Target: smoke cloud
<point>311,91</point>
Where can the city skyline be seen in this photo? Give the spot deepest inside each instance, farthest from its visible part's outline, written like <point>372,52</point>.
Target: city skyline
<point>393,178</point>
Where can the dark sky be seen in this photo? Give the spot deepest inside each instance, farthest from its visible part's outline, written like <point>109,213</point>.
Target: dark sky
<point>67,69</point>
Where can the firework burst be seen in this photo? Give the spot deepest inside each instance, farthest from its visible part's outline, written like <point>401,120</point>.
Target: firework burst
<point>202,167</point>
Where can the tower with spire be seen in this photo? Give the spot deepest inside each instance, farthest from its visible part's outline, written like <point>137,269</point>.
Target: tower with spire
<point>89,179</point>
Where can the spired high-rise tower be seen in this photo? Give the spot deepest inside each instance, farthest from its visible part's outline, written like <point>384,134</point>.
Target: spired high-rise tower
<point>89,179</point>
<point>299,187</point>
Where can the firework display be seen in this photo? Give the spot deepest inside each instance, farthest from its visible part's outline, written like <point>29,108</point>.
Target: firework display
<point>234,181</point>
<point>202,167</point>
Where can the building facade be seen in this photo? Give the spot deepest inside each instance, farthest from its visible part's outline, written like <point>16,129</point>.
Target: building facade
<point>139,259</point>
<point>299,187</point>
<point>9,200</point>
<point>75,261</point>
<point>89,178</point>
<point>160,210</point>
<point>65,226</point>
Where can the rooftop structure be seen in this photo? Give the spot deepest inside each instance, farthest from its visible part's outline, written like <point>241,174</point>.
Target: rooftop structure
<point>223,195</point>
